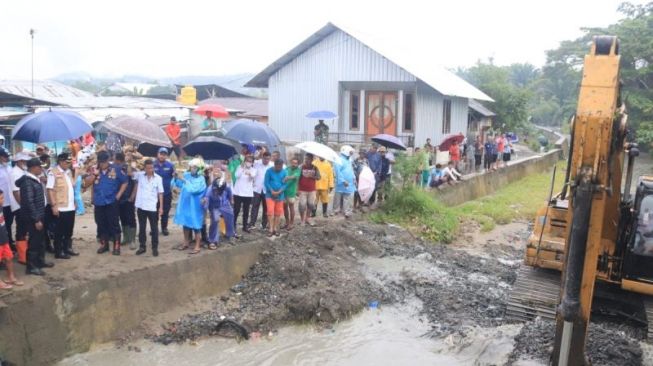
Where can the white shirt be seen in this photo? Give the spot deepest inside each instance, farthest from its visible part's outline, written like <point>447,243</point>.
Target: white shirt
<point>16,173</point>
<point>451,172</point>
<point>244,186</point>
<point>259,186</point>
<point>71,193</point>
<point>391,158</point>
<point>5,183</point>
<point>148,190</point>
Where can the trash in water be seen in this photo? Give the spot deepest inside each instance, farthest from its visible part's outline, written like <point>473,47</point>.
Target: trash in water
<point>373,304</point>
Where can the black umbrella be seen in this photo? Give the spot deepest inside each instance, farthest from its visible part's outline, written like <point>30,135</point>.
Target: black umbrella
<point>389,141</point>
<point>212,147</point>
<point>147,149</point>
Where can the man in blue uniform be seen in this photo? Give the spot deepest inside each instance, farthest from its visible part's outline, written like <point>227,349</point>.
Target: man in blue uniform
<point>166,170</point>
<point>109,185</point>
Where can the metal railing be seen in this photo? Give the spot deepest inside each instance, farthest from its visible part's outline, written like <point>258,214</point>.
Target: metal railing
<point>364,139</point>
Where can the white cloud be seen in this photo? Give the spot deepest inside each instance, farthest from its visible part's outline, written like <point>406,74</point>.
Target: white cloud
<point>165,38</point>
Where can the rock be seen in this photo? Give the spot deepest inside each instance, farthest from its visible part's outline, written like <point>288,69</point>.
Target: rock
<point>424,256</point>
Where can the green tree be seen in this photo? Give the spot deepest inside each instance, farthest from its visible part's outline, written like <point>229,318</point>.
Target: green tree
<point>510,100</point>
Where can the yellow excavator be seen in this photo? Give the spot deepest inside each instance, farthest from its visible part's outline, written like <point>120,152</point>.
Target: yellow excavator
<point>592,245</point>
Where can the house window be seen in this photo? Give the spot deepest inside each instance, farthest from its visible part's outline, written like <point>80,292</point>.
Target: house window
<point>354,107</point>
<point>408,112</point>
<point>446,116</point>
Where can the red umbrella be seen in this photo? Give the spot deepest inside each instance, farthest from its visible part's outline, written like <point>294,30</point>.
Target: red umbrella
<point>448,141</point>
<point>216,110</point>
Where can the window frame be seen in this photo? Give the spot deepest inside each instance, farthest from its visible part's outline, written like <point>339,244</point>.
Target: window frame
<point>446,116</point>
<point>352,94</point>
<point>405,111</point>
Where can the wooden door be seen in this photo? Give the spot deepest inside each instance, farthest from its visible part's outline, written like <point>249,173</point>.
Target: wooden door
<point>381,113</point>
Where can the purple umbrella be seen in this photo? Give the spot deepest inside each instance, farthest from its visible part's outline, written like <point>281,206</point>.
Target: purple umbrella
<point>389,141</point>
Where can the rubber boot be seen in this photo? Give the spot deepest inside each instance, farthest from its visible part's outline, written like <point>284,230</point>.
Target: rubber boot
<point>68,248</point>
<point>104,247</point>
<point>132,238</point>
<point>116,247</point>
<point>21,249</point>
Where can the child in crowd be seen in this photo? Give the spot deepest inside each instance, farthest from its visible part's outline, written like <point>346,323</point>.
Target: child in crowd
<point>5,253</point>
<point>437,176</point>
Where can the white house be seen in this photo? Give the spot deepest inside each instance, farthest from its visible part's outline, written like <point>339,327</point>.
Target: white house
<point>373,89</point>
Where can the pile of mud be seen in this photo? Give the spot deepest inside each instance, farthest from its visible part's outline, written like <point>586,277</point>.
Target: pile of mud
<point>309,275</point>
<point>605,346</point>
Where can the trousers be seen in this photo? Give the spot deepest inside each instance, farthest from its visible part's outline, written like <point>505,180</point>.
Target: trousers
<point>257,202</point>
<point>245,203</point>
<point>107,219</point>
<point>9,220</point>
<point>143,218</point>
<point>63,230</point>
<point>167,203</point>
<point>342,202</point>
<point>214,228</point>
<point>35,245</point>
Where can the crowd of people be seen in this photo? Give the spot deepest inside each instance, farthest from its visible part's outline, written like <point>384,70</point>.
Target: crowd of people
<point>464,157</point>
<point>222,199</point>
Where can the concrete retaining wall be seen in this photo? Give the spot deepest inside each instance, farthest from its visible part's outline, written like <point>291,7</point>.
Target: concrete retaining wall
<point>39,329</point>
<point>479,185</point>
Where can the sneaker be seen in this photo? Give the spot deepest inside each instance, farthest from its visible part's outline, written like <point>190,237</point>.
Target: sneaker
<point>155,252</point>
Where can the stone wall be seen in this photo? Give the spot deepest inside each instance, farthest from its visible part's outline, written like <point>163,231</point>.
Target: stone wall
<point>479,185</point>
<point>42,328</point>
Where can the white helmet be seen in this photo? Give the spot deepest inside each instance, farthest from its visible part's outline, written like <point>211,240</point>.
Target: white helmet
<point>347,150</point>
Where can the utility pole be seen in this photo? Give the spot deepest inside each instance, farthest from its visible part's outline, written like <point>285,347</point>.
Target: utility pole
<point>31,33</point>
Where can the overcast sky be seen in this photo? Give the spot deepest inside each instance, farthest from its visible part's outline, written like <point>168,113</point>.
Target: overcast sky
<point>201,37</point>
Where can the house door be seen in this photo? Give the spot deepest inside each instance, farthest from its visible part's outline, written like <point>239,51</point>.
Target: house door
<point>381,113</point>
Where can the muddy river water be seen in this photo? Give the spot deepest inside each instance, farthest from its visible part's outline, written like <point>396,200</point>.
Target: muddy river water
<point>384,336</point>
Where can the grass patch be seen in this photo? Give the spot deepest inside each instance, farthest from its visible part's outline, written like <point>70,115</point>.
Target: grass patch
<point>417,210</point>
<point>421,211</point>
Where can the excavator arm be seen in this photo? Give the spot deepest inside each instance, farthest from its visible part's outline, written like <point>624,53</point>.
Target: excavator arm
<point>595,186</point>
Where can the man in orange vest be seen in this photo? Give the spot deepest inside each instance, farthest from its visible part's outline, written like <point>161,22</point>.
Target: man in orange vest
<point>173,130</point>
<point>62,200</point>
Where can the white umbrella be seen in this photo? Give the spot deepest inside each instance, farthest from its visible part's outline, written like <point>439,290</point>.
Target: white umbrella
<point>366,184</point>
<point>319,150</point>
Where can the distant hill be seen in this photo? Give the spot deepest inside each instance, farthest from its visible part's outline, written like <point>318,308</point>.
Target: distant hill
<point>91,83</point>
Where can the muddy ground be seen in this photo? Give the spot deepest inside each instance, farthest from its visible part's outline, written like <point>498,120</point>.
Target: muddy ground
<point>330,272</point>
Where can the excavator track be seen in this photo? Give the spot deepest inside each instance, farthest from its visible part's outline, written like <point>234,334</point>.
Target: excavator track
<point>535,293</point>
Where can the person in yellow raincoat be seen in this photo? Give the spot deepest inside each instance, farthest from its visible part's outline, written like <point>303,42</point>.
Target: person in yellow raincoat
<point>324,185</point>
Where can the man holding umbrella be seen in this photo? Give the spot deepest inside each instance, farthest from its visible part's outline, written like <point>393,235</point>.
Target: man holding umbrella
<point>321,132</point>
<point>166,170</point>
<point>109,185</point>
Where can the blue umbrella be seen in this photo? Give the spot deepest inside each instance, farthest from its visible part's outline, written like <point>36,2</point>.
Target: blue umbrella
<point>322,115</point>
<point>251,132</point>
<point>389,141</point>
<point>50,126</point>
<point>212,147</point>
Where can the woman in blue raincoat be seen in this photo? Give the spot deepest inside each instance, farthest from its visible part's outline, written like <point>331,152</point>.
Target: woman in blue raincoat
<point>190,213</point>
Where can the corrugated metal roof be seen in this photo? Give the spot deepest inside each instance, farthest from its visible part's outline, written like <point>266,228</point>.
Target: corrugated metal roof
<point>248,106</point>
<point>423,68</point>
<point>44,90</point>
<point>480,108</point>
<point>116,102</point>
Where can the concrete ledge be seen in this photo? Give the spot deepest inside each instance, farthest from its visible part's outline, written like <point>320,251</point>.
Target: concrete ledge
<point>41,327</point>
<point>479,185</point>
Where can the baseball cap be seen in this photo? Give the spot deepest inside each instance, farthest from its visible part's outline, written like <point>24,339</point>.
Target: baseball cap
<point>22,156</point>
<point>4,152</point>
<point>163,150</point>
